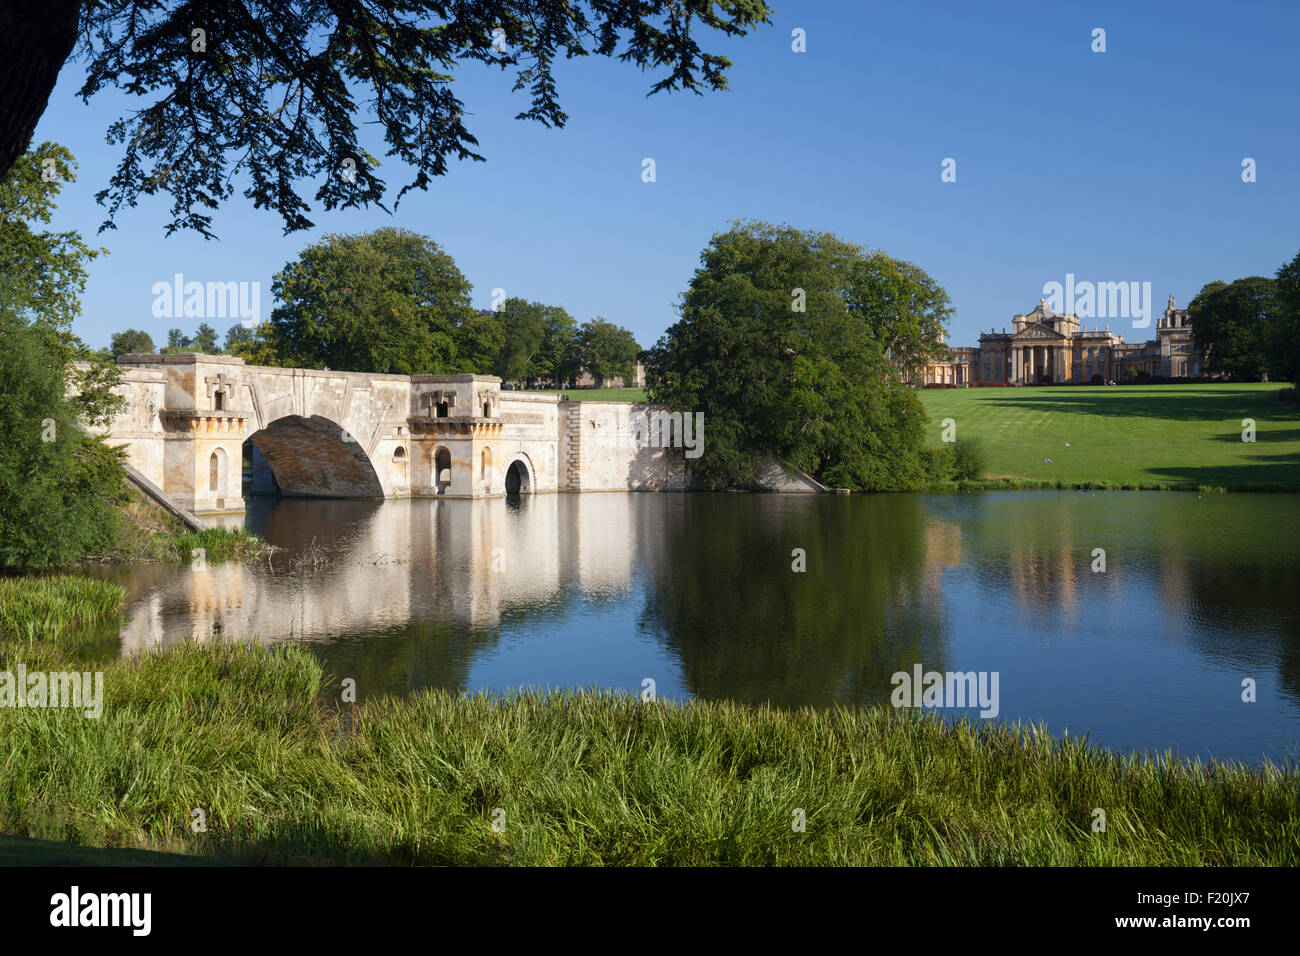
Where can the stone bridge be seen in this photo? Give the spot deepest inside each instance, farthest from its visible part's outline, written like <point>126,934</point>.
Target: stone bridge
<point>319,433</point>
<point>328,434</point>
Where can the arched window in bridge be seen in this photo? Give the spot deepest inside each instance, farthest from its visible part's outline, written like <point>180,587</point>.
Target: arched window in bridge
<point>442,470</point>
<point>442,409</point>
<point>217,471</point>
<point>399,465</point>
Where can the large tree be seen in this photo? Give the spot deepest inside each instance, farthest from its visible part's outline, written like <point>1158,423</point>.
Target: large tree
<point>383,301</point>
<point>59,487</point>
<point>479,342</point>
<point>537,342</point>
<point>558,359</point>
<point>130,340</point>
<point>606,351</point>
<point>523,328</point>
<point>1286,337</point>
<point>254,345</point>
<point>270,93</point>
<point>906,311</point>
<point>781,344</point>
<point>1234,326</point>
<point>48,269</point>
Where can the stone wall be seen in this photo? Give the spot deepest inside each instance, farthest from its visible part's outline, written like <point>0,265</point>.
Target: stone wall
<point>323,433</point>
<point>599,447</point>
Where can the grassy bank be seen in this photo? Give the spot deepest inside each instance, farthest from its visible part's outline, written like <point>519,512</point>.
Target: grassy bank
<point>283,774</point>
<point>597,394</point>
<point>148,533</point>
<point>1184,437</point>
<point>1132,437</point>
<point>48,608</point>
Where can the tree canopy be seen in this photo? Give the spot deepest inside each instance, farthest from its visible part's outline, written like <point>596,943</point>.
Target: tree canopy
<point>1286,332</point>
<point>130,340</point>
<point>271,93</point>
<point>48,269</point>
<point>383,301</point>
<point>606,351</point>
<point>59,487</point>
<point>782,345</point>
<point>1234,327</point>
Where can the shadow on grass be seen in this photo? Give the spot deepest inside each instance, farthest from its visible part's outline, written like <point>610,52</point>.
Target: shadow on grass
<point>1281,473</point>
<point>21,851</point>
<point>1180,403</point>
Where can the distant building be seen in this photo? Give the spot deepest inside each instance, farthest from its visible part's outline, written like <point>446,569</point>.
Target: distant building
<point>1045,348</point>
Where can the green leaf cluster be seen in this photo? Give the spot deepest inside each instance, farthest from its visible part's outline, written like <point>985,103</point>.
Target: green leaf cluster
<point>792,343</point>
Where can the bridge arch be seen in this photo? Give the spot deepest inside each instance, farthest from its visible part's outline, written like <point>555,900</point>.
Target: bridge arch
<point>314,457</point>
<point>520,477</point>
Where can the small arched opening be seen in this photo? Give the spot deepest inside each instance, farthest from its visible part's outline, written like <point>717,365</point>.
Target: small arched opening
<point>442,410</point>
<point>487,409</point>
<point>399,466</point>
<point>217,476</point>
<point>442,470</point>
<point>216,471</point>
<point>518,479</point>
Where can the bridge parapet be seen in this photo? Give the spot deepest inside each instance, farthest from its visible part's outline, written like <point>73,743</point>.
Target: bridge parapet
<point>322,432</point>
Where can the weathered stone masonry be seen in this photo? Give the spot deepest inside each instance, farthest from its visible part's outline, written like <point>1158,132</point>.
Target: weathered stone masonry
<point>352,434</point>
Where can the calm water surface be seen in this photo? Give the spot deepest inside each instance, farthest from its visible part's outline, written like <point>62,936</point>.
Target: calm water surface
<point>697,591</point>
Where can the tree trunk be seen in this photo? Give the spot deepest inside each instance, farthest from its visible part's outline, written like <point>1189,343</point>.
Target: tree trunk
<point>36,37</point>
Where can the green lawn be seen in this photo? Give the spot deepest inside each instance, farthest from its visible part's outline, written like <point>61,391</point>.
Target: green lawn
<point>1181,435</point>
<point>598,394</point>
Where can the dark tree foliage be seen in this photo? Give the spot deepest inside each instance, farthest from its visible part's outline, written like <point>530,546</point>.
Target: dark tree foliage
<point>384,301</point>
<point>273,91</point>
<point>1234,327</point>
<point>48,269</point>
<point>1286,338</point>
<point>60,488</point>
<point>780,349</point>
<point>606,351</point>
<point>537,341</point>
<point>130,340</point>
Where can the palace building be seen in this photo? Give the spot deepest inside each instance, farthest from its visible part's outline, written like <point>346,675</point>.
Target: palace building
<point>1044,348</point>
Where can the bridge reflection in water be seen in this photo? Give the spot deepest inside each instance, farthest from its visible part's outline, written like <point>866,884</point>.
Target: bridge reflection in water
<point>698,592</point>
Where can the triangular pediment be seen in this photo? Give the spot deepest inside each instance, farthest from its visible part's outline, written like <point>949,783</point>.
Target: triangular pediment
<point>1038,332</point>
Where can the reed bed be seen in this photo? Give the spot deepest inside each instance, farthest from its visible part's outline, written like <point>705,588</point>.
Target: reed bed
<point>282,772</point>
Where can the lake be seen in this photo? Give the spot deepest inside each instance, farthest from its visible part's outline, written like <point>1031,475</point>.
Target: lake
<point>698,593</point>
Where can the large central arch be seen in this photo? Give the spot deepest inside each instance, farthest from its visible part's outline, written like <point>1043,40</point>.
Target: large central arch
<point>315,458</point>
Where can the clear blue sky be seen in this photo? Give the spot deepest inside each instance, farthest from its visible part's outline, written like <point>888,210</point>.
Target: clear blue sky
<point>1115,166</point>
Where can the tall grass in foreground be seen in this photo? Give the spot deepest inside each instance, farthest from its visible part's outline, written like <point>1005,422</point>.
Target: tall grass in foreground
<point>250,736</point>
<point>146,532</point>
<point>50,607</point>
